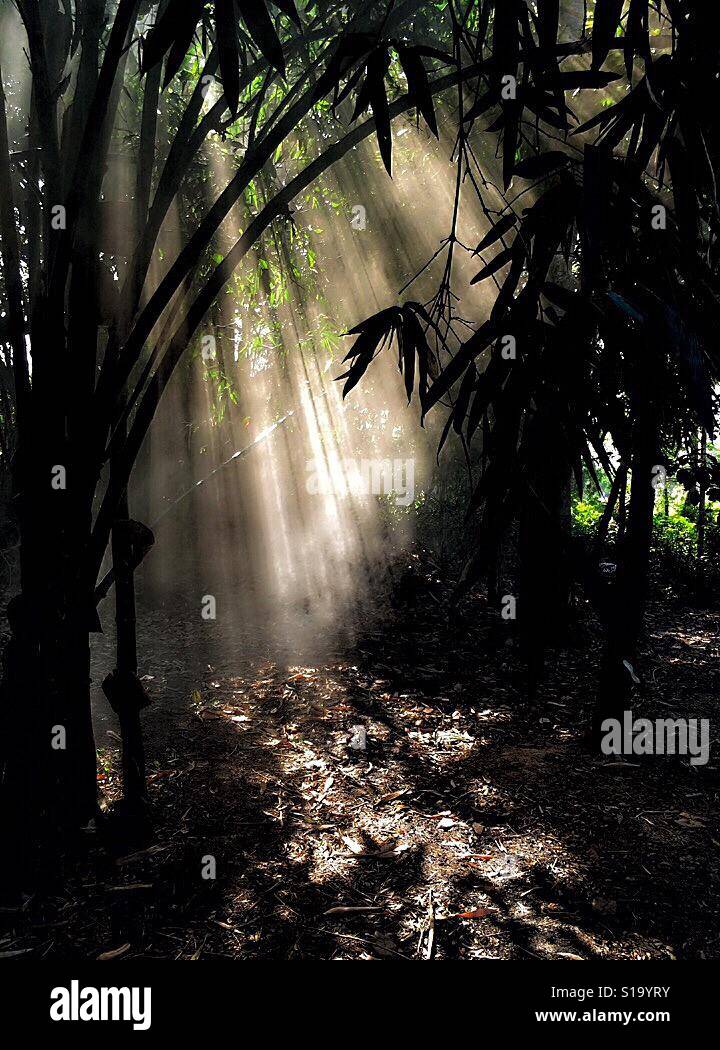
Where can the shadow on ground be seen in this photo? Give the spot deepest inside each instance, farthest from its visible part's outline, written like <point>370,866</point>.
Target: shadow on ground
<point>472,824</point>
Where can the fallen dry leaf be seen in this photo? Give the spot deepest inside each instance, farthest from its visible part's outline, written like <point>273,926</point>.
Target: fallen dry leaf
<point>113,953</point>
<point>392,796</point>
<point>352,909</point>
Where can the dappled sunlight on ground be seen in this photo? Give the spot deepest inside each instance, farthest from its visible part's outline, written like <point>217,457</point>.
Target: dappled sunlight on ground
<point>473,825</point>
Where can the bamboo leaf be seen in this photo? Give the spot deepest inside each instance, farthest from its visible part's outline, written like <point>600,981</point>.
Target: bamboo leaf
<point>501,227</point>
<point>500,260</point>
<point>259,25</point>
<point>377,67</point>
<point>605,23</point>
<point>227,43</point>
<point>542,165</point>
<point>418,85</point>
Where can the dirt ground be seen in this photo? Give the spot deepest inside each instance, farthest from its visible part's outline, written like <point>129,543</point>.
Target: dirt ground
<point>472,825</point>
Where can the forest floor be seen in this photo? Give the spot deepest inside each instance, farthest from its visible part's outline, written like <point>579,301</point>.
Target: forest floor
<point>472,825</point>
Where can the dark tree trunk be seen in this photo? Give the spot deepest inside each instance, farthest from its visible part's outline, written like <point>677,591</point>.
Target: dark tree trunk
<point>123,687</point>
<point>701,594</point>
<point>633,567</point>
<point>621,515</point>
<point>127,697</point>
<point>48,750</point>
<point>543,540</point>
<point>58,613</point>
<point>617,491</point>
<point>48,756</point>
